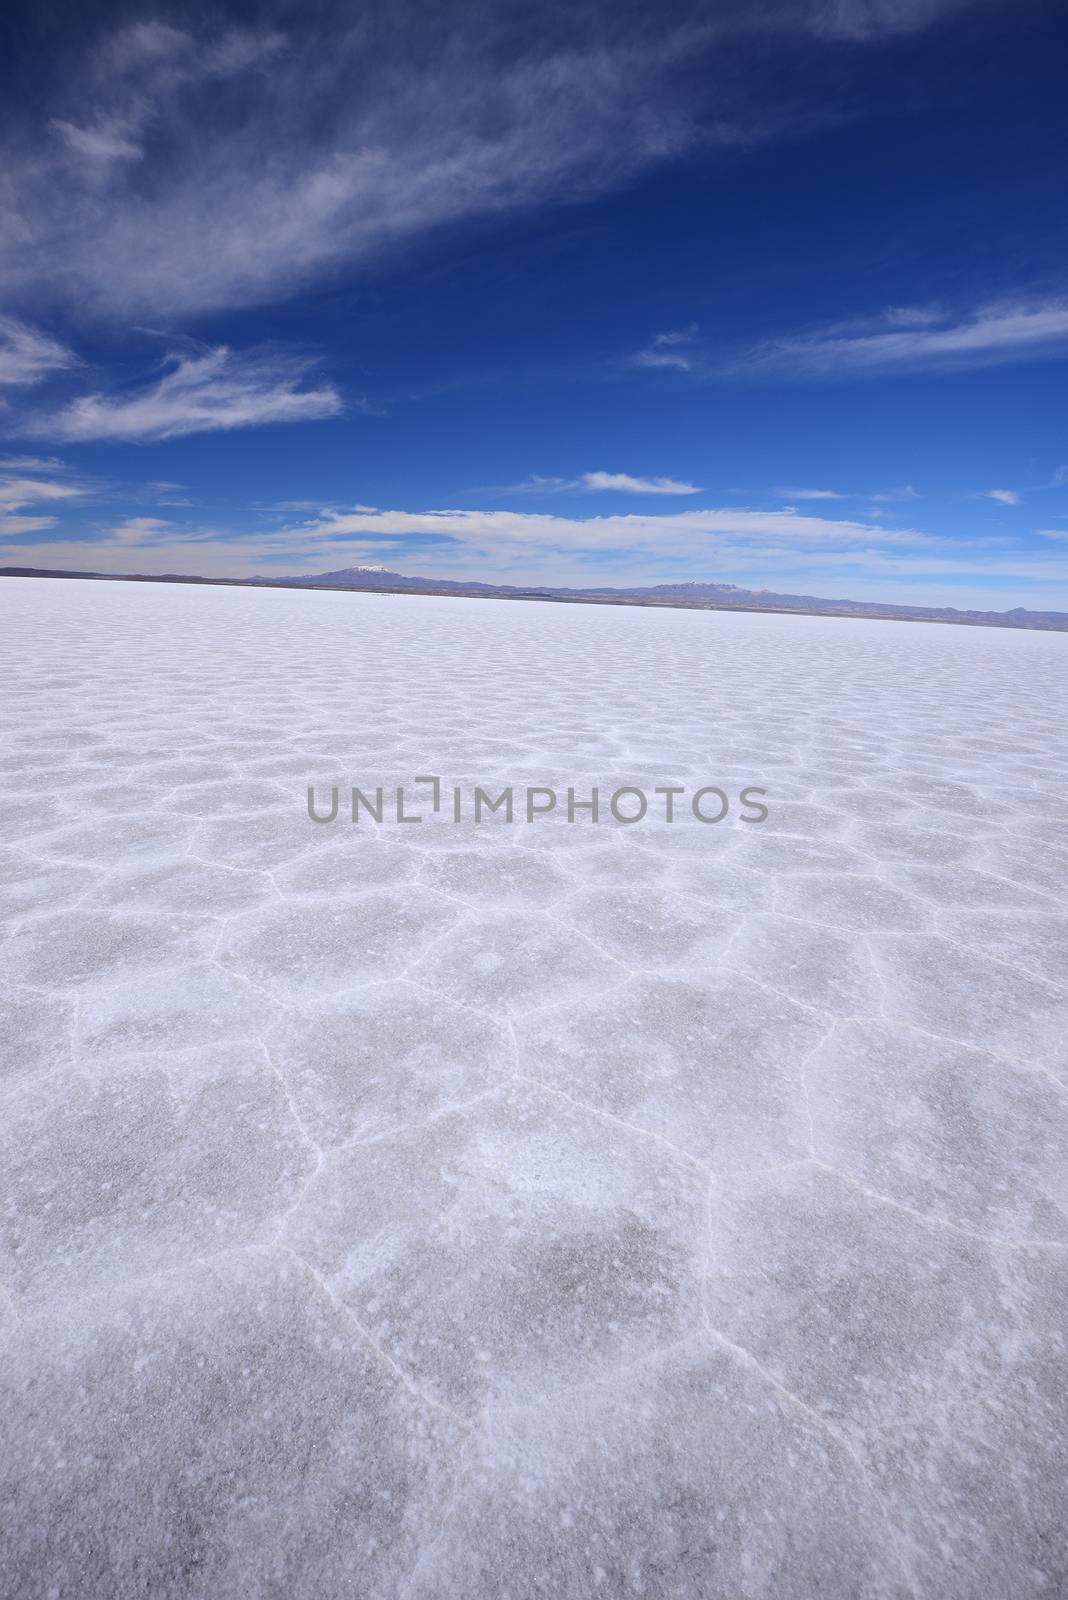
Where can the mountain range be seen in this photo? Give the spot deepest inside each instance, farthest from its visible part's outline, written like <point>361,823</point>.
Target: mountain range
<point>693,595</point>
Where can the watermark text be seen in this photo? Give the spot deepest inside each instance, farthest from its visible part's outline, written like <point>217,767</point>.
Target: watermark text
<point>626,805</point>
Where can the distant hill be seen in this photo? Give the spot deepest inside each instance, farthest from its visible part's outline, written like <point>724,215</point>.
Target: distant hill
<point>694,595</point>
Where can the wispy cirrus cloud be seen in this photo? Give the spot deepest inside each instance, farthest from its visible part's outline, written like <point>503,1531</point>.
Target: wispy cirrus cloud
<point>27,355</point>
<point>674,349</point>
<point>877,19</point>
<point>16,492</point>
<point>907,339</point>
<point>19,493</point>
<point>181,167</point>
<point>905,491</point>
<point>811,494</point>
<point>102,142</point>
<point>50,465</point>
<point>212,391</point>
<point>148,190</point>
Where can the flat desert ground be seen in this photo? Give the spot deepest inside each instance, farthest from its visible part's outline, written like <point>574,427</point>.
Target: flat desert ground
<point>441,1211</point>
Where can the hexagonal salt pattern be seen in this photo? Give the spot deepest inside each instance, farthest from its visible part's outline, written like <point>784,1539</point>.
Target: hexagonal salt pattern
<point>447,1211</point>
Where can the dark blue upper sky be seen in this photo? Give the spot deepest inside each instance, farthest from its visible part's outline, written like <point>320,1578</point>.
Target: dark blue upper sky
<point>766,293</point>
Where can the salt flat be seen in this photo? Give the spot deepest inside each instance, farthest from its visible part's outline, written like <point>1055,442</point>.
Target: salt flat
<point>529,1209</point>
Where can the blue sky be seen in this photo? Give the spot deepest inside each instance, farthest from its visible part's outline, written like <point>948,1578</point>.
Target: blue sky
<point>772,294</point>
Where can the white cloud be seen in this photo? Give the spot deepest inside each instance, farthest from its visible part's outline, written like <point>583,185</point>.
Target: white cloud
<point>218,390</point>
<point>138,530</point>
<point>682,530</point>
<point>1006,497</point>
<point>27,355</point>
<point>1052,533</point>
<point>812,494</point>
<point>992,335</point>
<point>623,483</point>
<point>598,482</point>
